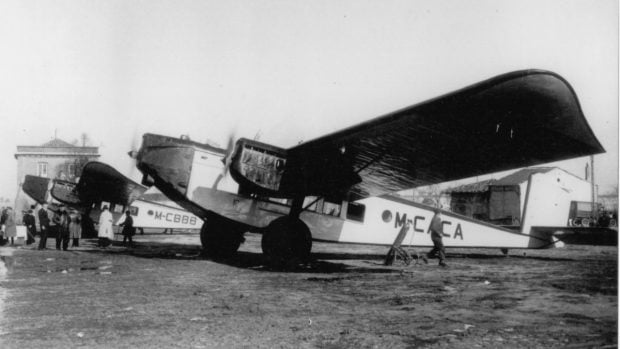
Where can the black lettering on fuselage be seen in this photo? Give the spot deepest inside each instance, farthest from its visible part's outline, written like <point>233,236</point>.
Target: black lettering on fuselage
<point>418,222</point>
<point>415,223</point>
<point>400,221</point>
<point>175,218</point>
<point>458,232</point>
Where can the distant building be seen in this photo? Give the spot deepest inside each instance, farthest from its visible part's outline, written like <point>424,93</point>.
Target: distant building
<point>471,200</point>
<point>609,202</point>
<point>55,159</point>
<point>502,201</point>
<point>427,195</point>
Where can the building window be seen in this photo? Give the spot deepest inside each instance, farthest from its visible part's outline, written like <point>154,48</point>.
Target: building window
<point>71,170</point>
<point>42,169</point>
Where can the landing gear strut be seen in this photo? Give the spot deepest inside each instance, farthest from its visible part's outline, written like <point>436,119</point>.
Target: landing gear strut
<point>286,243</point>
<point>219,240</point>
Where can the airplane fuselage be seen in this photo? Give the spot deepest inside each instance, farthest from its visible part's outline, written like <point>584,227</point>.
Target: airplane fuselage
<point>368,221</point>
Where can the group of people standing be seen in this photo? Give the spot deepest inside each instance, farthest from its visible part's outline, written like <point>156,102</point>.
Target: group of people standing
<point>9,226</point>
<point>7,222</point>
<point>106,232</point>
<point>66,225</point>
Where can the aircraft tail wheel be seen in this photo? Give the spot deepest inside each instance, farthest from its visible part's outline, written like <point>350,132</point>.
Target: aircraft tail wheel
<point>219,241</point>
<point>286,243</point>
<point>504,251</point>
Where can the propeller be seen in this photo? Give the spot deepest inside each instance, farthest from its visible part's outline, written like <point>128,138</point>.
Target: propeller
<point>227,159</point>
<point>133,153</point>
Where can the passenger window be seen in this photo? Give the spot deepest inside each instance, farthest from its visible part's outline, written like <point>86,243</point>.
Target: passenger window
<point>133,210</point>
<point>355,211</point>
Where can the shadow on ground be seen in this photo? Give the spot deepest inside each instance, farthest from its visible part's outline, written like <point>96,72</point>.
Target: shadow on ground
<point>322,262</point>
<point>243,259</point>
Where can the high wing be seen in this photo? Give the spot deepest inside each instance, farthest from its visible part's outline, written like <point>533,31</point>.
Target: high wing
<point>98,182</point>
<point>101,182</point>
<point>36,187</point>
<point>514,120</point>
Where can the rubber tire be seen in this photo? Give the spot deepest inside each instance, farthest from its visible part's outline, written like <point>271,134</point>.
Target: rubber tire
<point>218,241</point>
<point>286,243</point>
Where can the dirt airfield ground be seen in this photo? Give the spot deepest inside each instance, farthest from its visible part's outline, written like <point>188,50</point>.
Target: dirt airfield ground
<point>162,294</point>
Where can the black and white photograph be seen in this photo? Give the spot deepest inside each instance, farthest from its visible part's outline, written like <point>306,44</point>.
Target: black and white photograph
<point>309,174</point>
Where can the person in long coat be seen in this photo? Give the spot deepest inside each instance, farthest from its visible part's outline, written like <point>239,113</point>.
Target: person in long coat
<point>63,230</point>
<point>44,224</point>
<point>2,230</point>
<point>30,223</point>
<point>105,233</point>
<point>10,229</point>
<point>128,229</point>
<point>75,228</point>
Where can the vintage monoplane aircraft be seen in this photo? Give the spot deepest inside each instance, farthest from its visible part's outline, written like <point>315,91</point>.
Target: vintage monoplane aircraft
<point>101,185</point>
<point>514,120</point>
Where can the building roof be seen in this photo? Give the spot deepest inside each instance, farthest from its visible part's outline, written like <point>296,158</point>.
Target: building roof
<point>522,175</point>
<point>57,143</point>
<point>478,187</point>
<point>56,147</point>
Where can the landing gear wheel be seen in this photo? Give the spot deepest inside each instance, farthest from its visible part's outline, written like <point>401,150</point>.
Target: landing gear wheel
<point>286,243</point>
<point>218,240</point>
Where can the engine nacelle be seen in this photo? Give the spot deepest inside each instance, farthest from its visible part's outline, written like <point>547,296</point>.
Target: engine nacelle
<point>258,167</point>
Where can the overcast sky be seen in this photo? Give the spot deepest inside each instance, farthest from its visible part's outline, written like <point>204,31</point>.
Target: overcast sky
<point>289,70</point>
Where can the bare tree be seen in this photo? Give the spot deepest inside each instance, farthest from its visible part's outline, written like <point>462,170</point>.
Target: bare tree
<point>78,164</point>
<point>85,139</point>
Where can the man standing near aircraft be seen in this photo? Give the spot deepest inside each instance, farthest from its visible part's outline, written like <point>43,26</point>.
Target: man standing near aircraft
<point>44,223</point>
<point>31,227</point>
<point>105,233</point>
<point>436,229</point>
<point>128,229</point>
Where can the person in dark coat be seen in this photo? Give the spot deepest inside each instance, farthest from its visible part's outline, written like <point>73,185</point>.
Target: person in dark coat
<point>31,227</point>
<point>62,235</point>
<point>128,229</point>
<point>75,227</point>
<point>2,227</point>
<point>44,225</point>
<point>437,234</point>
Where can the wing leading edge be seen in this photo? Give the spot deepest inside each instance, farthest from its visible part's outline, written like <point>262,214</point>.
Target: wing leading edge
<point>514,120</point>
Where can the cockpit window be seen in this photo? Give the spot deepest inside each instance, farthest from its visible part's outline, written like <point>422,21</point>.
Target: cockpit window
<point>331,208</point>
